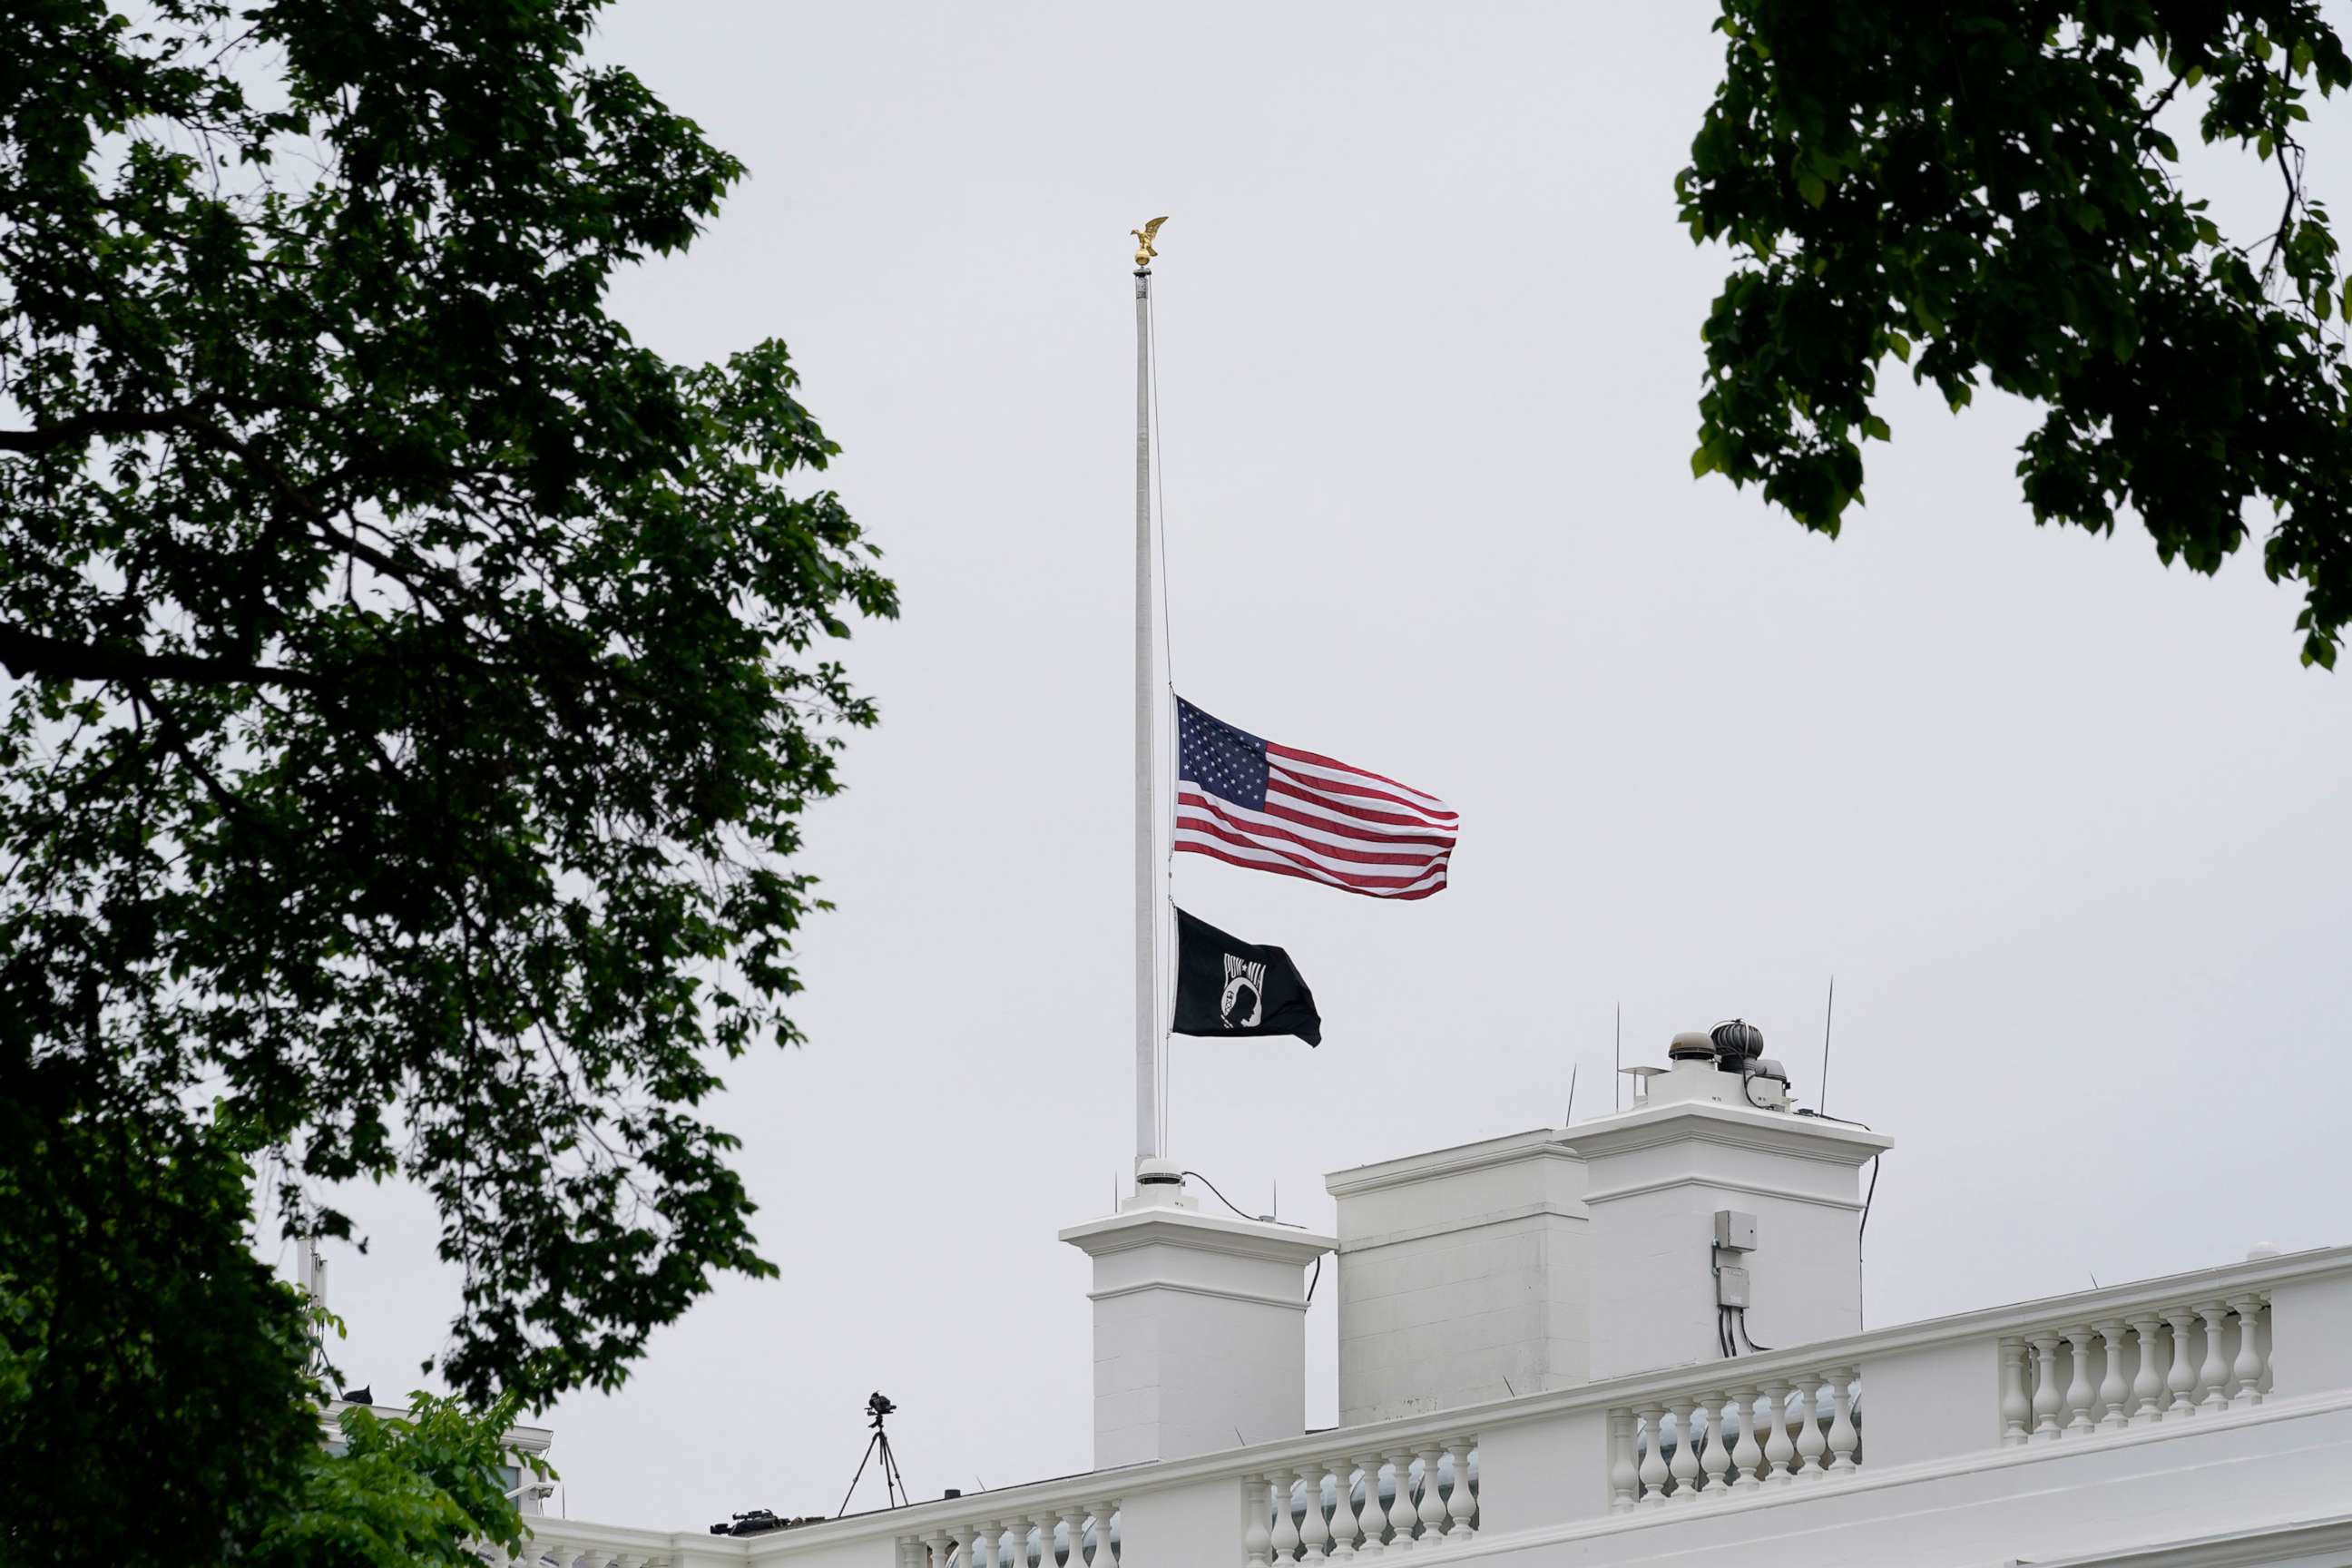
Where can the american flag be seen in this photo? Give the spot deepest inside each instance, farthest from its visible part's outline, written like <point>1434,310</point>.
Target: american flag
<point>1250,802</point>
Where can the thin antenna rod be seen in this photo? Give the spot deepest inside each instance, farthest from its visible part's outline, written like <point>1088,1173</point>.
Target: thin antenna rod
<point>1828,1017</point>
<point>1617,1094</point>
<point>1569,1120</point>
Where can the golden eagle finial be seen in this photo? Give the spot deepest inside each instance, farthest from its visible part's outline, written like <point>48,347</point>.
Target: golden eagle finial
<point>1143,251</point>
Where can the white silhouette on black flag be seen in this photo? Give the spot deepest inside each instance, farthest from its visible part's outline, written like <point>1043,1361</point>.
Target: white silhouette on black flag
<point>1226,986</point>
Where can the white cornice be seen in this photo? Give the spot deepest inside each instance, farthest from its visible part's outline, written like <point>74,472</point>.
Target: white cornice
<point>1542,1143</point>
<point>1199,1233</point>
<point>1772,1132</point>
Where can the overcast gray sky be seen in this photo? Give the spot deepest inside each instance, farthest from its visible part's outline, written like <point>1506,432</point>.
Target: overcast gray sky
<point>2068,827</point>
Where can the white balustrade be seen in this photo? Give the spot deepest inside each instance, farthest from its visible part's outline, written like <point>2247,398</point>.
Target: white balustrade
<point>2045,1388</point>
<point>1314,1533</point>
<point>1709,1463</point>
<point>1718,1460</point>
<point>2113,1390</point>
<point>1684,1464</point>
<point>2081,1421</point>
<point>1286,1522</point>
<point>1371,1518</point>
<point>2213,1372</point>
<point>1680,1440</point>
<point>1461,1501</point>
<point>2248,1370</point>
<point>2174,1361</point>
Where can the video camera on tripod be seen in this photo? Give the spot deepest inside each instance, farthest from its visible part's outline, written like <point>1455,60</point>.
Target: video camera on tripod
<point>878,1406</point>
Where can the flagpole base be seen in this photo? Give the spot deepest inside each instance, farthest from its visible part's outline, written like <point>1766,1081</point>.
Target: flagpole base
<point>1158,1185</point>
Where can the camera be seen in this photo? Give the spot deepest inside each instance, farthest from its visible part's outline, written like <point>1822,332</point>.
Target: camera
<point>877,1407</point>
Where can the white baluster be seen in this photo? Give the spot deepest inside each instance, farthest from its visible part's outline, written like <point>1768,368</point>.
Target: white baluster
<point>2148,1377</point>
<point>1286,1528</point>
<point>1433,1519</point>
<point>1625,1480</point>
<point>1106,1533</point>
<point>1462,1508</point>
<point>2045,1388</point>
<point>980,1546</point>
<point>1845,1439</point>
<point>1653,1459</point>
<point>1684,1467</point>
<point>1257,1536</point>
<point>1716,1462</point>
<point>2181,1380</point>
<point>2213,1376</point>
<point>1779,1453</point>
<point>2114,1392</point>
<point>1344,1528</point>
<point>1074,1525</point>
<point>1811,1444</point>
<point>1402,1516</point>
<point>1312,1533</point>
<point>937,1542</point>
<point>2080,1394</point>
<point>2246,1372</point>
<point>2015,1412</point>
<point>1746,1454</point>
<point>1373,1517</point>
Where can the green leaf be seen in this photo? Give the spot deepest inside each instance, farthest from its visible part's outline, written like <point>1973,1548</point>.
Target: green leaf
<point>1810,186</point>
<point>1899,346</point>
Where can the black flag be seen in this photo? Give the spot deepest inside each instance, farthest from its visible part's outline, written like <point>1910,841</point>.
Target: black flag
<point>1226,986</point>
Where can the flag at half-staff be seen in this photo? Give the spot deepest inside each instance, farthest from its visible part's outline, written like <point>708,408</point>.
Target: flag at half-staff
<point>1251,802</point>
<point>1228,986</point>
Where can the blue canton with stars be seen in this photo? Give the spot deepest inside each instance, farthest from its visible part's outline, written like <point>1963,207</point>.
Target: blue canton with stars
<point>1229,763</point>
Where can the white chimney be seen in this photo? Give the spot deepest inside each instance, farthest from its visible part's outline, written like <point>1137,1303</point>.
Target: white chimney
<point>1549,1257</point>
<point>1200,1325</point>
<point>1462,1276</point>
<point>1710,1138</point>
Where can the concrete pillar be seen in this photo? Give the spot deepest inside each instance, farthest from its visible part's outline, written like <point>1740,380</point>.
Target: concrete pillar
<point>1200,1328</point>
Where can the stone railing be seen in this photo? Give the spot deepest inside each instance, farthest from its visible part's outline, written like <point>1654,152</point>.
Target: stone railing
<point>2166,1361</point>
<point>2044,1380</point>
<point>1031,1535</point>
<point>1689,1445</point>
<point>1334,1509</point>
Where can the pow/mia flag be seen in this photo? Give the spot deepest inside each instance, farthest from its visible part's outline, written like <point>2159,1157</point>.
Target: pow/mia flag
<point>1226,986</point>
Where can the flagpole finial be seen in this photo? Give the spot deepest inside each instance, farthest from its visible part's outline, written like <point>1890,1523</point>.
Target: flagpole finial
<point>1143,251</point>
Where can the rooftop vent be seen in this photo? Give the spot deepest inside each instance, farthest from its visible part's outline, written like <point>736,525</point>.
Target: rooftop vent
<point>1736,1042</point>
<point>1691,1046</point>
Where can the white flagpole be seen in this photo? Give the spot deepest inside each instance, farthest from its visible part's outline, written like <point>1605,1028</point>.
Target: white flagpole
<point>1147,859</point>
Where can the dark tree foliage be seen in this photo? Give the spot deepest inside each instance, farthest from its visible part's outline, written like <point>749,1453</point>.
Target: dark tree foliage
<point>416,684</point>
<point>405,1492</point>
<point>1984,189</point>
<point>151,1367</point>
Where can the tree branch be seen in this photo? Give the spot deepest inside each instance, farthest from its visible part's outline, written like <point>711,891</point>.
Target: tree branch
<point>104,422</point>
<point>28,653</point>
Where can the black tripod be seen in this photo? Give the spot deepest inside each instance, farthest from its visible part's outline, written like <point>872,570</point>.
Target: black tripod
<point>894,1486</point>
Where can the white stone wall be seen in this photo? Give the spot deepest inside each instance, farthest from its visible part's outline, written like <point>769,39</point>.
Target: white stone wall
<point>1462,1278</point>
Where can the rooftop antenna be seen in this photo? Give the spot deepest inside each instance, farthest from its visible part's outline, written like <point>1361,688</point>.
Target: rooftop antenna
<point>1827,1016</point>
<point>1617,1100</point>
<point>1569,1120</point>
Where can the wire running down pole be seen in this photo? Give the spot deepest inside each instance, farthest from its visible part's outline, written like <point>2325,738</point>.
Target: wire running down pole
<point>1147,912</point>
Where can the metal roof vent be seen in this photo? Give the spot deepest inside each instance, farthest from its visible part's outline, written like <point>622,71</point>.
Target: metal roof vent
<point>1736,1042</point>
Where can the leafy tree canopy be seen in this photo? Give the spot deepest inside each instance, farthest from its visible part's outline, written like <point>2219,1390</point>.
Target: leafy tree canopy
<point>1985,190</point>
<point>408,1492</point>
<point>416,684</point>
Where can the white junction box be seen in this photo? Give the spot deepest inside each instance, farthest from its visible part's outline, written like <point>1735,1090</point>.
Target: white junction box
<point>1733,1231</point>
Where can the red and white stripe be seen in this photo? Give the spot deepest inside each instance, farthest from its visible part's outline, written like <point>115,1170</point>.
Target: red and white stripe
<point>1328,822</point>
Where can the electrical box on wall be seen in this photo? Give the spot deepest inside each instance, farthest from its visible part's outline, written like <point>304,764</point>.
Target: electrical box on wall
<point>1731,1288</point>
<point>1734,1232</point>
